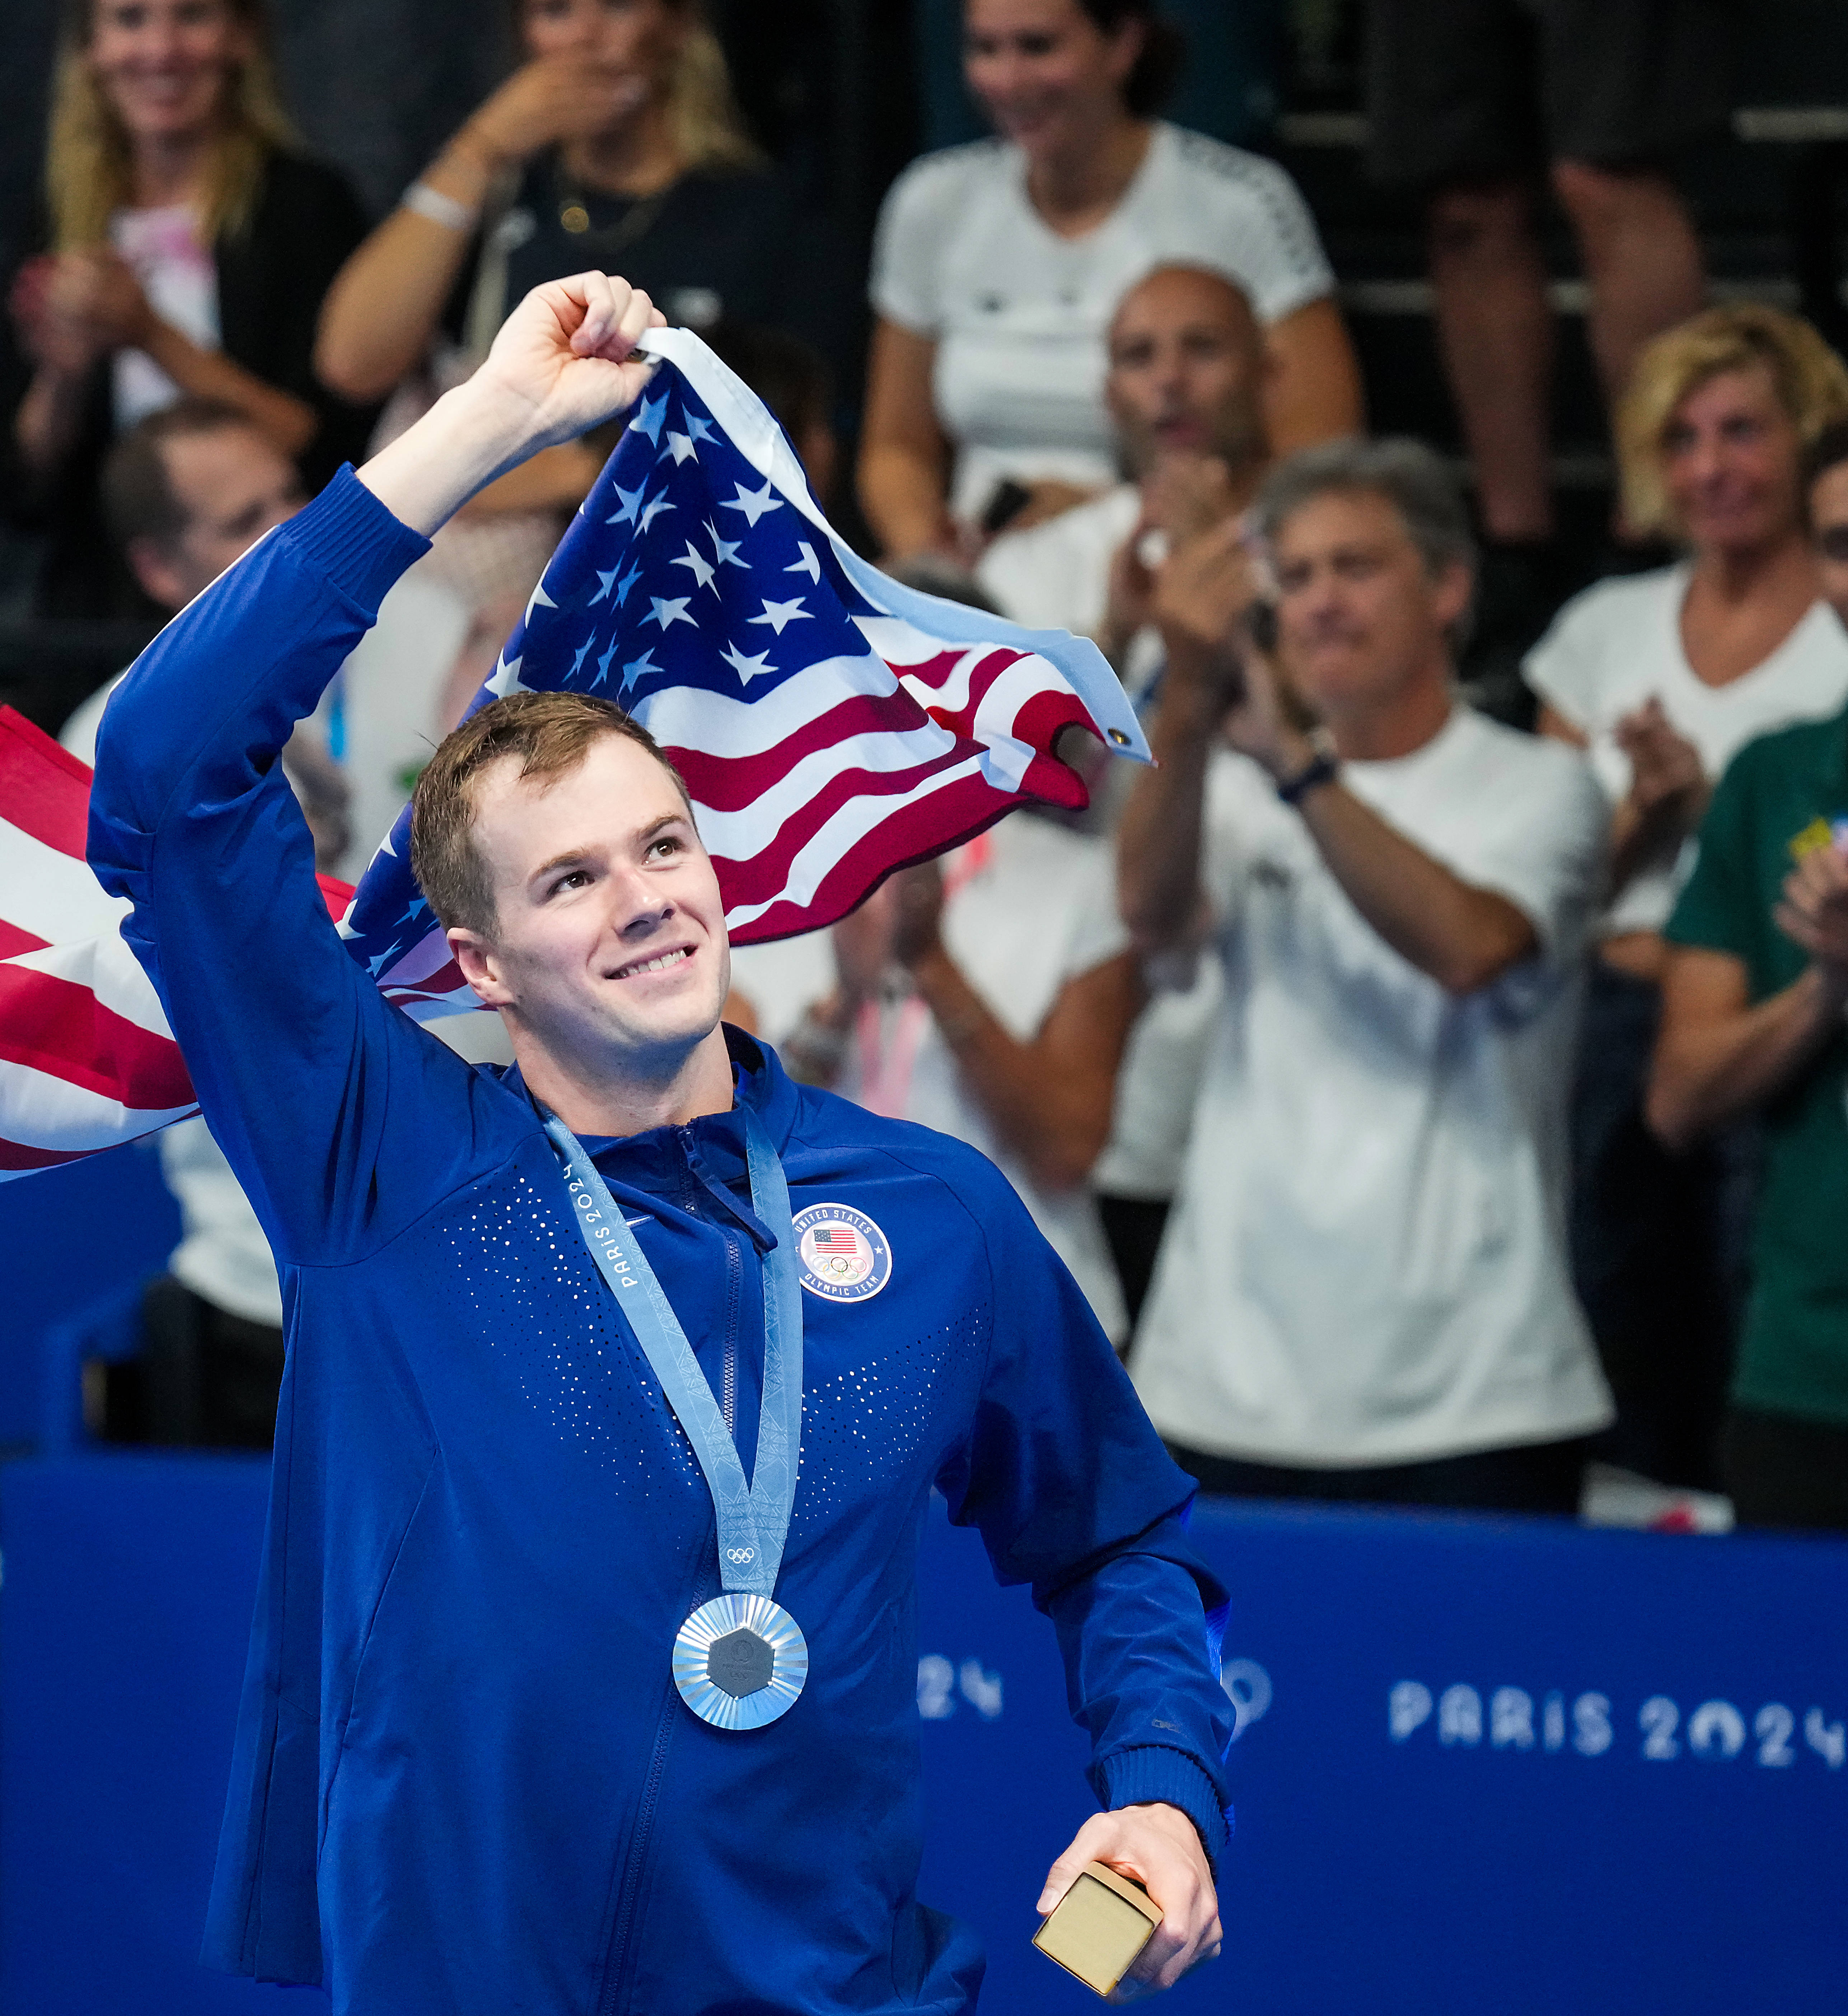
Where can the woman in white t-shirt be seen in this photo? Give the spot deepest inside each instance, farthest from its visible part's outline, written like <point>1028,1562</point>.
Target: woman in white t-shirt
<point>998,265</point>
<point>1664,677</point>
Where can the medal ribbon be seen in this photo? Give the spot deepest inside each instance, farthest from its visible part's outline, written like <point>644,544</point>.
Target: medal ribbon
<point>753,1518</point>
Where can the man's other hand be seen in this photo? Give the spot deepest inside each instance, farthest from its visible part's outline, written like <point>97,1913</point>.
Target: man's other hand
<point>1814,912</point>
<point>1159,1847</point>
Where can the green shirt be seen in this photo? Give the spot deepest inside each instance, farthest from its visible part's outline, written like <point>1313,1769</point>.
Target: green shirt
<point>1793,1357</point>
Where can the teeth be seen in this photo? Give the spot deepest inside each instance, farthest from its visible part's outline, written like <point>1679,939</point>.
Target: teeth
<point>660,965</point>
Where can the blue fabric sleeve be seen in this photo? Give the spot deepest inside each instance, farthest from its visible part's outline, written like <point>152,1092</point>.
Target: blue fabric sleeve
<point>1073,1493</point>
<point>317,1091</point>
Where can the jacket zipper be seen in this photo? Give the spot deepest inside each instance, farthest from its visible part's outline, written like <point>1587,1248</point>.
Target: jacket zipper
<point>635,1862</point>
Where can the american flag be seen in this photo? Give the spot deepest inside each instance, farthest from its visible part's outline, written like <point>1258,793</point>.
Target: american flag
<point>836,1239</point>
<point>830,726</point>
<point>87,1061</point>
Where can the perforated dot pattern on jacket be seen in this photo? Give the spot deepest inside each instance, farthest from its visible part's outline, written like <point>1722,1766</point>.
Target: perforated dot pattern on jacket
<point>865,1428</point>
<point>515,1266</point>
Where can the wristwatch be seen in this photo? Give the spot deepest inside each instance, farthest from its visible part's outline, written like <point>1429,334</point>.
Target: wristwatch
<point>1322,768</point>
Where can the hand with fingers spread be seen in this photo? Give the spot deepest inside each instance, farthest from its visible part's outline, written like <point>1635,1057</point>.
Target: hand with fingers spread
<point>1813,913</point>
<point>1160,1847</point>
<point>1201,597</point>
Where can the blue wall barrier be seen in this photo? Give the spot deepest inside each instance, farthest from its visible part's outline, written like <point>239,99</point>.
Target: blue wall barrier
<point>1484,1767</point>
<point>56,1263</point>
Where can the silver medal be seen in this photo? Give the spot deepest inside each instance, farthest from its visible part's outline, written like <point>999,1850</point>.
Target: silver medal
<point>739,1661</point>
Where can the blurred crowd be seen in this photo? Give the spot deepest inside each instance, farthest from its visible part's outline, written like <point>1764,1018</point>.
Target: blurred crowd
<point>1428,1105</point>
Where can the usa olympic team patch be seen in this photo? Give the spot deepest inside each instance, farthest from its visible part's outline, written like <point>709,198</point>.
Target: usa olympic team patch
<point>844,1255</point>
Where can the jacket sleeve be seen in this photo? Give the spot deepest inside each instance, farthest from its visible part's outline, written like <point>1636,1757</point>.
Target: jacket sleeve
<point>1073,1493</point>
<point>319,1091</point>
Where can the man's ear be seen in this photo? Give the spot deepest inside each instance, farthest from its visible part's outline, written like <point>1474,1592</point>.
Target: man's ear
<point>475,955</point>
<point>1450,595</point>
<point>154,570</point>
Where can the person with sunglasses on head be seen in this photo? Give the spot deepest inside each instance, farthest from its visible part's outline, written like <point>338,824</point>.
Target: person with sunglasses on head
<point>1754,1023</point>
<point>1662,677</point>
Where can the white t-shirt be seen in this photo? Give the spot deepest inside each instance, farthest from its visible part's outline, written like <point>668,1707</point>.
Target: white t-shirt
<point>1609,649</point>
<point>1019,313</point>
<point>1367,1261</point>
<point>180,282</point>
<point>1039,909</point>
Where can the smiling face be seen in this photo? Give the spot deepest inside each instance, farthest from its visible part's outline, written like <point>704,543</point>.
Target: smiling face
<point>1187,371</point>
<point>1362,622</point>
<point>1046,74</point>
<point>1730,458</point>
<point>165,66</point>
<point>609,949</point>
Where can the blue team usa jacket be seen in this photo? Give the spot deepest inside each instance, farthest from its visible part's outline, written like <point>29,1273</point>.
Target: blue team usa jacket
<point>464,1784</point>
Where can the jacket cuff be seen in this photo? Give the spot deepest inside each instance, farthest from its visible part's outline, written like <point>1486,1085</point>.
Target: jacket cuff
<point>350,536</point>
<point>1136,1777</point>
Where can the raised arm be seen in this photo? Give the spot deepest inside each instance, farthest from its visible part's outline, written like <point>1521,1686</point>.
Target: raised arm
<point>1050,1097</point>
<point>1313,391</point>
<point>1719,1055</point>
<point>296,1059</point>
<point>904,455</point>
<point>383,310</point>
<point>1201,597</point>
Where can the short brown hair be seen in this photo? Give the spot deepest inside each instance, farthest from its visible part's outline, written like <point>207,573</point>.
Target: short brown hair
<point>137,498</point>
<point>1809,378</point>
<point>551,733</point>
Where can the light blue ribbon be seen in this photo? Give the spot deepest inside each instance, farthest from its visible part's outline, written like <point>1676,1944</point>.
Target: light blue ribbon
<point>753,1518</point>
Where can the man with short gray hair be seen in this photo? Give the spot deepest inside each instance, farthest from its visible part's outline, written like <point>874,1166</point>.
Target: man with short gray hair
<point>1363,1293</point>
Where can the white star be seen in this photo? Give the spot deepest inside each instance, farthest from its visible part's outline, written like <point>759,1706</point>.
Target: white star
<point>628,582</point>
<point>745,666</point>
<point>680,447</point>
<point>703,568</point>
<point>506,677</point>
<point>636,667</point>
<point>753,503</point>
<point>538,599</point>
<point>584,651</point>
<point>603,664</point>
<point>777,614</point>
<point>648,419</point>
<point>725,551</point>
<point>653,509</point>
<point>631,504</point>
<point>700,429</point>
<point>605,583</point>
<point>667,613</point>
<point>808,564</point>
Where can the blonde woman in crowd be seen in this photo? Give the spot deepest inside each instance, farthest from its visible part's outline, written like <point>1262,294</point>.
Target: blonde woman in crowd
<point>618,134</point>
<point>618,145</point>
<point>1662,677</point>
<point>188,247</point>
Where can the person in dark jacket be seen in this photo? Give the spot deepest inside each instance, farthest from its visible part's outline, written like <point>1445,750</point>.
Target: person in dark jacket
<point>617,142</point>
<point>484,1765</point>
<point>188,247</point>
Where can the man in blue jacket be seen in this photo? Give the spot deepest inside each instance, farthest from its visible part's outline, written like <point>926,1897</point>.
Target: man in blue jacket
<point>548,1709</point>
